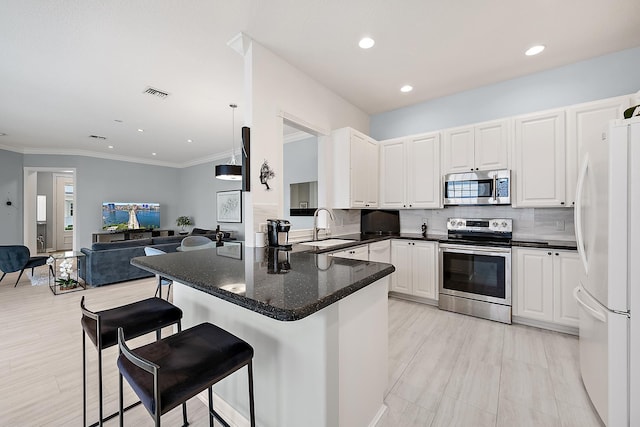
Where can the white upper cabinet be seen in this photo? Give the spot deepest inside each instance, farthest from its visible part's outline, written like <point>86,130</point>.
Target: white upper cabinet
<point>356,172</point>
<point>393,174</point>
<point>410,172</point>
<point>484,146</point>
<point>585,123</point>
<point>539,160</point>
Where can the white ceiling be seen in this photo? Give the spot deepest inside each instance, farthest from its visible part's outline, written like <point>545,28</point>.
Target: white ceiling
<point>71,68</point>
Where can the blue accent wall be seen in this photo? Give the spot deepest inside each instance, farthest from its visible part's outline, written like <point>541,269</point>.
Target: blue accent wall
<point>597,78</point>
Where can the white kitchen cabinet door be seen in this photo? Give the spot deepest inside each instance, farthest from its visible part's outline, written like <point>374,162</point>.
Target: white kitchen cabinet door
<point>380,251</point>
<point>423,171</point>
<point>355,169</point>
<point>359,158</point>
<point>392,174</point>
<point>401,260</point>
<point>566,273</point>
<point>492,145</point>
<point>586,123</point>
<point>424,269</point>
<point>458,150</point>
<point>533,291</point>
<point>371,173</point>
<point>539,157</point>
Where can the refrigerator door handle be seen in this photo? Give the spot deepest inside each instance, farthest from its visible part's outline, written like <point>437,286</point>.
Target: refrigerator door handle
<point>578,213</point>
<point>594,312</point>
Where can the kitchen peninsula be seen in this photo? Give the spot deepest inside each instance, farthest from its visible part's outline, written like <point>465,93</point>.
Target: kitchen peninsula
<point>318,326</point>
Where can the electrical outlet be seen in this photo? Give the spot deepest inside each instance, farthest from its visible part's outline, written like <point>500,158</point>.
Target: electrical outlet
<point>560,225</point>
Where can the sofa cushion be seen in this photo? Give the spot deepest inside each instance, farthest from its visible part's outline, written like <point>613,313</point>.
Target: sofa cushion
<point>121,245</point>
<point>167,239</point>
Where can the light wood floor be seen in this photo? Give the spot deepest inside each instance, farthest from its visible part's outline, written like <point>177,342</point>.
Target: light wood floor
<point>445,369</point>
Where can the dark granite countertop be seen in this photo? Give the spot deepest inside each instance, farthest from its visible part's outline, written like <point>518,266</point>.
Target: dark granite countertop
<point>255,278</point>
<point>545,244</point>
<point>360,239</point>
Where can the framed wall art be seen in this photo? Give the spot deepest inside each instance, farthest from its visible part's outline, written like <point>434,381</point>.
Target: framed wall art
<point>229,206</point>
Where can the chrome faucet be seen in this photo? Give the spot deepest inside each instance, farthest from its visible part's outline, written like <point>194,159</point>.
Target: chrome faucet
<point>315,221</point>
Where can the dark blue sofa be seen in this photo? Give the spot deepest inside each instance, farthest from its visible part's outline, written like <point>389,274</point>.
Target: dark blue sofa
<point>107,263</point>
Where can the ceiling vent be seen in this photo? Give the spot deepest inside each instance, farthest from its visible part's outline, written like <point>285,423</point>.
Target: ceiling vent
<point>102,138</point>
<point>155,92</point>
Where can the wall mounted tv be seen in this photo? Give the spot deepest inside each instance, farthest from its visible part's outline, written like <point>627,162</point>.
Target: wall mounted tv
<point>130,216</point>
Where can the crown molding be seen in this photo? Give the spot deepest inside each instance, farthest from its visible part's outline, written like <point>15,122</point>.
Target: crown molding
<point>107,156</point>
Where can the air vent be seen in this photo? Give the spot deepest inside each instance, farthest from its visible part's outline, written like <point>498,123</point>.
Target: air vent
<point>155,92</point>
<point>98,137</point>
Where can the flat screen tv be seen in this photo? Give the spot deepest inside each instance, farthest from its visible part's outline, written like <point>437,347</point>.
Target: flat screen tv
<point>130,216</point>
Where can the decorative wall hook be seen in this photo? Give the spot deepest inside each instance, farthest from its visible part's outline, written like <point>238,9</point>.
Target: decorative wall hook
<point>266,173</point>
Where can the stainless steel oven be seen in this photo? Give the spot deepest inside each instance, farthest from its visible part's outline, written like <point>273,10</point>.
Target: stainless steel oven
<point>475,268</point>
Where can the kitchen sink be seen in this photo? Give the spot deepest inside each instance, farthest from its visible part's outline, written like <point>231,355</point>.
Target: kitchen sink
<point>327,242</point>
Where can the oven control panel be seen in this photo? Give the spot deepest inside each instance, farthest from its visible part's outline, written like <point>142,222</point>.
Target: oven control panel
<point>481,225</point>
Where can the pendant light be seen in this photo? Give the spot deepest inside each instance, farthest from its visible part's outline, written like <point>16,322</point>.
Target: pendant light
<point>231,171</point>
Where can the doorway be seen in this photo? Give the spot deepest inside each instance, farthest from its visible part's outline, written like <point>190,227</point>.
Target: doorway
<point>58,228</point>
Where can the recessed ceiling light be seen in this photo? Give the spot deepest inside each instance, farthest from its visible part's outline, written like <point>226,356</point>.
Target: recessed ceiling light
<point>189,140</point>
<point>534,50</point>
<point>153,154</point>
<point>366,42</point>
<point>406,88</point>
<point>140,130</point>
<point>110,146</point>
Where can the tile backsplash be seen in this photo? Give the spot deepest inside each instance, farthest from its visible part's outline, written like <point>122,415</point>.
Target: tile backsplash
<point>541,223</point>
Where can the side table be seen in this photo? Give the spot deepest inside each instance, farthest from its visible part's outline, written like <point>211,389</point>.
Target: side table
<point>65,260</point>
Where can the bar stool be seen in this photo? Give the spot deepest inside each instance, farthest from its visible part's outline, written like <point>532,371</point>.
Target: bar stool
<point>168,372</point>
<point>136,319</point>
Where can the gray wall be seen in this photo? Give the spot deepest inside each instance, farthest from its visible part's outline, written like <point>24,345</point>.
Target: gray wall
<point>603,77</point>
<point>198,188</point>
<point>101,180</point>
<point>189,191</point>
<point>11,178</point>
<point>300,160</point>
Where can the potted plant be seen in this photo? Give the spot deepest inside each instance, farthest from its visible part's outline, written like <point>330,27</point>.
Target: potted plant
<point>183,221</point>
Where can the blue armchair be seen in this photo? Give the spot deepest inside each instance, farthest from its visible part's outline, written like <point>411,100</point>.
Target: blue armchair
<point>18,258</point>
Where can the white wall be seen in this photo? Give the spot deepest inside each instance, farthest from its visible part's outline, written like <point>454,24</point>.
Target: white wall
<point>273,87</point>
<point>598,78</point>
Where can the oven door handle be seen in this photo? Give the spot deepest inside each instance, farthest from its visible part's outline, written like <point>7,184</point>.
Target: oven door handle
<point>474,250</point>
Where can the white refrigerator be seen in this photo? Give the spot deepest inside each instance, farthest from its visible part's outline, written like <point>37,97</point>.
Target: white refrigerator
<point>607,221</point>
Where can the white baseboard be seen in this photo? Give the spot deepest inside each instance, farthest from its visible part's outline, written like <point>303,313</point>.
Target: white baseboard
<point>545,325</point>
<point>379,415</point>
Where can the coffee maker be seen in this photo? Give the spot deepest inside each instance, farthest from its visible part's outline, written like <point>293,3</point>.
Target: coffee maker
<point>278,233</point>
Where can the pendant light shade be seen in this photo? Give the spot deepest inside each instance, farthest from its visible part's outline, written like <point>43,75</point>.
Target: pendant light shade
<point>231,171</point>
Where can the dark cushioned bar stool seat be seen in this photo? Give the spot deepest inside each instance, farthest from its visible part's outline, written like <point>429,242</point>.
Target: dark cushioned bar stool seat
<point>166,373</point>
<point>135,319</point>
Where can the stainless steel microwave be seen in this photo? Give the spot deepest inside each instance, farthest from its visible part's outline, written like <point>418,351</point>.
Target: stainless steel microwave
<point>478,188</point>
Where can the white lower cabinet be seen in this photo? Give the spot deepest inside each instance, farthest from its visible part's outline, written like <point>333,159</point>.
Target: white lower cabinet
<point>543,283</point>
<point>359,252</point>
<point>415,262</point>
<point>380,251</point>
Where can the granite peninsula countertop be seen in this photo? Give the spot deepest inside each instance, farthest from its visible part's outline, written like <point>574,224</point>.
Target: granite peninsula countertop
<point>362,239</point>
<point>283,285</point>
